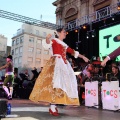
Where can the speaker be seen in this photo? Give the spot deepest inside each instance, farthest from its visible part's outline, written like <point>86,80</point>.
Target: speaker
<point>3,108</point>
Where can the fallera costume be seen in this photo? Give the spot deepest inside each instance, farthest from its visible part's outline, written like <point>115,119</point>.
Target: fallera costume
<point>57,83</point>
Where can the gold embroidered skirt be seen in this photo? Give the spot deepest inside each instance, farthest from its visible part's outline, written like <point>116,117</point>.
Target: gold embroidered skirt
<point>43,90</point>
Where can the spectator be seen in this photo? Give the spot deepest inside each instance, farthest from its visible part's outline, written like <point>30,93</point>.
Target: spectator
<point>40,70</point>
<point>115,75</point>
<point>16,85</point>
<point>35,75</point>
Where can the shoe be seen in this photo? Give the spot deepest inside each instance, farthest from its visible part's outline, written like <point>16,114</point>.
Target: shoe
<point>56,109</point>
<point>9,97</point>
<point>53,113</point>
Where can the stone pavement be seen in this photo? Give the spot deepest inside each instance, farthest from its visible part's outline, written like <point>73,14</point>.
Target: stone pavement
<point>27,110</point>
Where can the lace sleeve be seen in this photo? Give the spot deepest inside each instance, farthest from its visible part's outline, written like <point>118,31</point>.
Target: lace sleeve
<point>73,52</point>
<point>45,45</point>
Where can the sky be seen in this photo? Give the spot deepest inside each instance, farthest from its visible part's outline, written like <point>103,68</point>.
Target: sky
<point>29,8</point>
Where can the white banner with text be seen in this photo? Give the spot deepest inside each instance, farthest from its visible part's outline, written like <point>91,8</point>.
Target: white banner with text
<point>91,94</point>
<point>110,95</point>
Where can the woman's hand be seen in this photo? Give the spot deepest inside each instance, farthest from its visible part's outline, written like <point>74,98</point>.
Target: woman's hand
<point>48,38</point>
<point>103,63</point>
<point>84,58</point>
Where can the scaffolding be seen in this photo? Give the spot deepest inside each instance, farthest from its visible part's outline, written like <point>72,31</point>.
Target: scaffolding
<point>27,20</point>
<point>97,16</point>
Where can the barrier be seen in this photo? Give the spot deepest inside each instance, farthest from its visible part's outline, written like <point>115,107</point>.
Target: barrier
<point>91,94</point>
<point>110,95</point>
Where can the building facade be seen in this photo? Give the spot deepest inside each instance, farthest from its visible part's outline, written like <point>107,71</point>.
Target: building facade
<point>3,43</point>
<point>86,17</point>
<point>69,10</point>
<point>27,49</point>
<point>3,49</point>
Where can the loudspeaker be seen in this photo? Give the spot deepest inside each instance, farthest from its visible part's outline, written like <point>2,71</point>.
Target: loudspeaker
<point>3,108</point>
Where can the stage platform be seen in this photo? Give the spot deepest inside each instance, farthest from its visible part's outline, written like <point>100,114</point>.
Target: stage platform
<point>27,110</point>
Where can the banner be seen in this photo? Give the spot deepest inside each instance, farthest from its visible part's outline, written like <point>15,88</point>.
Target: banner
<point>110,95</point>
<point>91,94</point>
<point>108,40</point>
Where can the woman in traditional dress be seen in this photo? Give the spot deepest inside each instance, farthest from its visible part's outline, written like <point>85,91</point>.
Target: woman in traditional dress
<point>57,83</point>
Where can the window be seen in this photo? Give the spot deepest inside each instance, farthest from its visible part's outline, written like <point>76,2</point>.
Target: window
<point>38,61</point>
<point>30,59</point>
<point>84,1</point>
<point>38,51</point>
<point>16,51</point>
<point>13,42</point>
<point>21,39</point>
<point>16,60</point>
<point>20,60</point>
<point>30,49</point>
<point>21,49</point>
<point>17,41</point>
<point>31,39</point>
<point>12,52</point>
<point>44,34</point>
<point>39,41</point>
<point>46,52</point>
<point>59,22</point>
<point>37,32</point>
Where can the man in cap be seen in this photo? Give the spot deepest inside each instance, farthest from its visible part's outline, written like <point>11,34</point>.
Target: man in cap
<point>8,82</point>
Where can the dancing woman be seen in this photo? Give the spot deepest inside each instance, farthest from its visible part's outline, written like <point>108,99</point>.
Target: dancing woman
<point>9,77</point>
<point>57,83</point>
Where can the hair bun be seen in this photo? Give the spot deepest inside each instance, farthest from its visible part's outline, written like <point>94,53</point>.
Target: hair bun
<point>9,56</point>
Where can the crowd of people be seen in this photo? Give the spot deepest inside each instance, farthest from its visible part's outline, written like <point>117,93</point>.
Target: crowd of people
<point>94,71</point>
<point>19,82</point>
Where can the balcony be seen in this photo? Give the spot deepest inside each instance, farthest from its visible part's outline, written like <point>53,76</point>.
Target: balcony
<point>97,16</point>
